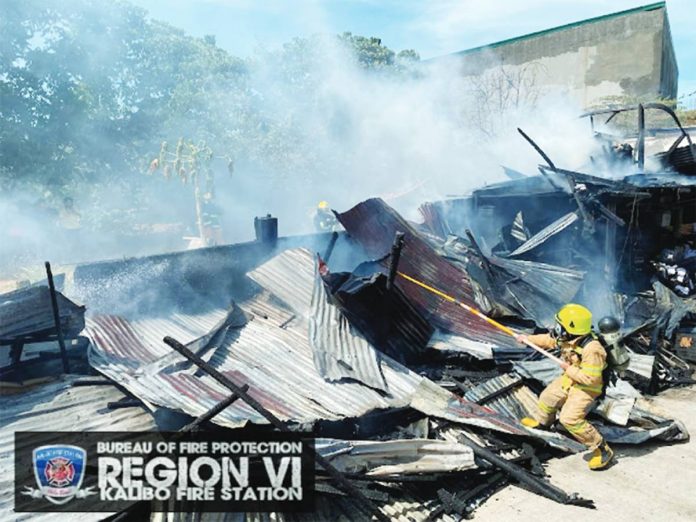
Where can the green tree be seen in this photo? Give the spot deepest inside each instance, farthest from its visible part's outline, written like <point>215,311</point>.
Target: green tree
<point>90,89</point>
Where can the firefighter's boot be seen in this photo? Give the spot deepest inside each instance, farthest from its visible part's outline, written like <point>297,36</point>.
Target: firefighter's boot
<point>529,422</point>
<point>601,457</point>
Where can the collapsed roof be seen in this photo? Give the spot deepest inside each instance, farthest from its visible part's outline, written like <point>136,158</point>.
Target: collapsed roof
<point>400,384</point>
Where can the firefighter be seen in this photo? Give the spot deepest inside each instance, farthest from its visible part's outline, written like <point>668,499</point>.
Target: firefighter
<point>574,392</point>
<point>324,218</point>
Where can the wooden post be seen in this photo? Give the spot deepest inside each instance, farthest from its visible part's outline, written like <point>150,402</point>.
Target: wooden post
<point>56,319</point>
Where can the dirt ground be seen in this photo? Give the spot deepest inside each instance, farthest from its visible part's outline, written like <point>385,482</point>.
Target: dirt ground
<point>649,482</point>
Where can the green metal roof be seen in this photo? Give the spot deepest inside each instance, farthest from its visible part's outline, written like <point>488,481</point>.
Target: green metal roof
<point>644,8</point>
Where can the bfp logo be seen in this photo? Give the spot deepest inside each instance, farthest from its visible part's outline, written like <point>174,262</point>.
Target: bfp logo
<point>59,471</point>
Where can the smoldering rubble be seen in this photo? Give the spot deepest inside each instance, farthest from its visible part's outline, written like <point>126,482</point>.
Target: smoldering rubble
<point>416,404</point>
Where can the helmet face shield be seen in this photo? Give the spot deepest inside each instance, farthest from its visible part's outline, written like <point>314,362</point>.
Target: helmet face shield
<point>559,332</point>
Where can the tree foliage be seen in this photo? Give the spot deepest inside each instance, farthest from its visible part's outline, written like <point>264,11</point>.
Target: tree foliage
<point>90,90</point>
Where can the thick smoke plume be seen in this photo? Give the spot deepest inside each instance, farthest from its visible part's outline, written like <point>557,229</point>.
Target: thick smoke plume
<point>305,123</point>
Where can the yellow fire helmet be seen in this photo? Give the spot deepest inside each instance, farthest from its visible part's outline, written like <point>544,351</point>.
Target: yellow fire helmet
<point>323,205</point>
<point>575,319</point>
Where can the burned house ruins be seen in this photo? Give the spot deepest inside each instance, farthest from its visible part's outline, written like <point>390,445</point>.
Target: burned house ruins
<point>415,404</point>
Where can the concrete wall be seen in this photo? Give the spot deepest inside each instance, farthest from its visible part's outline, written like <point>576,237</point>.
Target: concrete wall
<point>669,72</point>
<point>625,54</point>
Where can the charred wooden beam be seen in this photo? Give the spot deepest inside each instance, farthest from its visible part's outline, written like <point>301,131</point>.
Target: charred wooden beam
<point>502,391</point>
<point>336,475</point>
<point>640,143</point>
<point>212,412</point>
<point>124,403</point>
<point>394,258</point>
<point>330,247</point>
<point>484,260</point>
<point>56,318</point>
<point>16,352</point>
<point>92,382</point>
<point>538,149</point>
<point>525,478</point>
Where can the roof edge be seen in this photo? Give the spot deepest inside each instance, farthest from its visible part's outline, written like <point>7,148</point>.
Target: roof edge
<point>645,8</point>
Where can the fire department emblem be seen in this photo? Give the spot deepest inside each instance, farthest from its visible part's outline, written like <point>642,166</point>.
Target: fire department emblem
<point>59,471</point>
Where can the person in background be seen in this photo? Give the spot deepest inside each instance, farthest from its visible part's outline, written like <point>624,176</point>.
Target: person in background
<point>68,217</point>
<point>324,218</point>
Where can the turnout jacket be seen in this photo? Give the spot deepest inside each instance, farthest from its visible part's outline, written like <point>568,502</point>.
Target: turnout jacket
<point>586,357</point>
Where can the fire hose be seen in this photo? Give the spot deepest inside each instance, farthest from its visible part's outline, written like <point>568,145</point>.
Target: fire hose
<point>481,315</point>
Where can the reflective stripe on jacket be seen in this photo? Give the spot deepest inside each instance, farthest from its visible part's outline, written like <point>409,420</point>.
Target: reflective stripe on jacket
<point>587,361</point>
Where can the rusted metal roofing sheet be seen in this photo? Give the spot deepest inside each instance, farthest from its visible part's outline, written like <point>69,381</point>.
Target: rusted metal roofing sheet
<point>526,289</point>
<point>386,317</point>
<point>278,365</point>
<point>58,406</point>
<point>373,224</point>
<point>516,402</point>
<point>276,362</point>
<point>340,352</point>
<point>274,357</point>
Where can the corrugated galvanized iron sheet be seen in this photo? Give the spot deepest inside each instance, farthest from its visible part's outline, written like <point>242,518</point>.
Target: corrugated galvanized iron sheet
<point>290,277</point>
<point>527,289</point>
<point>396,457</point>
<point>58,406</point>
<point>28,312</point>
<point>275,360</point>
<point>641,364</point>
<point>373,224</point>
<point>340,352</point>
<point>386,317</point>
<point>548,231</point>
<point>517,403</point>
<point>444,341</point>
<point>277,363</point>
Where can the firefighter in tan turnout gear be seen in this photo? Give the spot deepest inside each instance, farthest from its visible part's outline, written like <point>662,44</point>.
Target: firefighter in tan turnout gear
<point>574,392</point>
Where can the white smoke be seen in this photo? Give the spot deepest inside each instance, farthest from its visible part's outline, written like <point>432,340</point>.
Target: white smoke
<point>348,134</point>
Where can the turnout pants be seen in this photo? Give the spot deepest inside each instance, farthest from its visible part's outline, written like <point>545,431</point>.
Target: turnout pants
<point>574,404</point>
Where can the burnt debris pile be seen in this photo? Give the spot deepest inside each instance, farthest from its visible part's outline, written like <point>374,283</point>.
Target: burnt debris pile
<point>415,402</point>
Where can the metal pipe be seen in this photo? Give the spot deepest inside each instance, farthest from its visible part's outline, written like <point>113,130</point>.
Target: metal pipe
<point>397,245</point>
<point>56,318</point>
<point>275,421</point>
